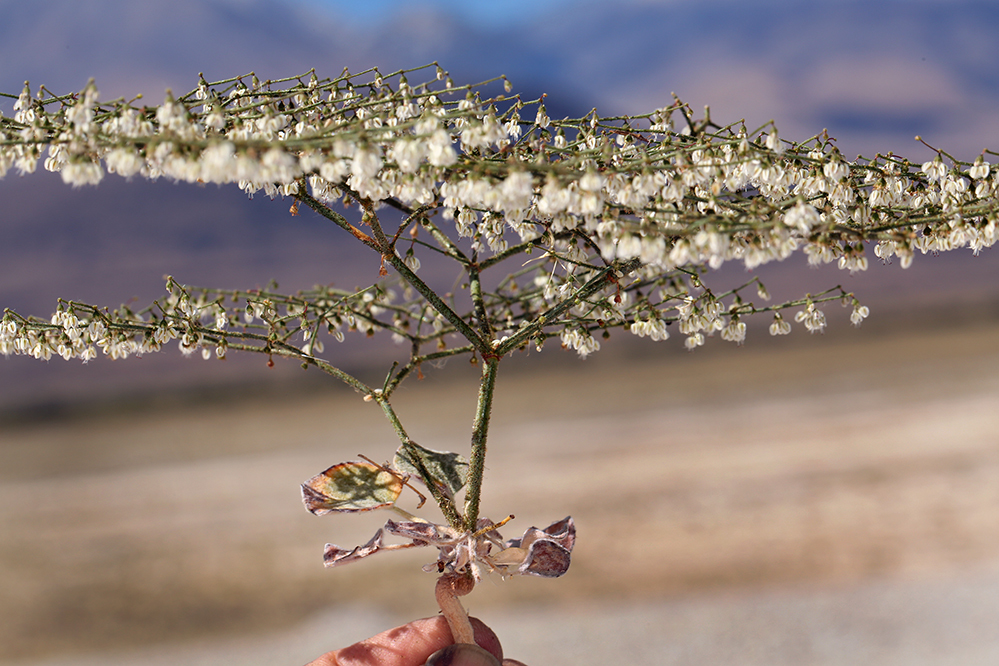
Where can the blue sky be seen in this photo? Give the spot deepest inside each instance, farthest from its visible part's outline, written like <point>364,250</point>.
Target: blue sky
<point>498,13</point>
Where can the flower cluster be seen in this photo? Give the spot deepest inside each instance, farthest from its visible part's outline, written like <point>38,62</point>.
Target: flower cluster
<point>208,321</point>
<point>626,213</point>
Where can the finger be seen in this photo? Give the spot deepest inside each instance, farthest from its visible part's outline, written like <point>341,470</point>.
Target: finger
<point>408,645</point>
<point>462,654</point>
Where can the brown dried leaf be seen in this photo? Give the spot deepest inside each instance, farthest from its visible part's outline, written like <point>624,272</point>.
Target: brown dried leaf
<point>545,552</point>
<point>545,558</point>
<point>335,555</point>
<point>425,533</point>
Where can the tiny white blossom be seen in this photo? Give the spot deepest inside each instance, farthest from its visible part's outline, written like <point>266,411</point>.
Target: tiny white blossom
<point>735,332</point>
<point>802,216</point>
<point>979,170</point>
<point>779,326</point>
<point>773,143</point>
<point>934,169</point>
<point>813,319</point>
<point>693,341</point>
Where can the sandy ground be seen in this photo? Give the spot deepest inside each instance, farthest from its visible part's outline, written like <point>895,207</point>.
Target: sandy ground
<point>832,502</point>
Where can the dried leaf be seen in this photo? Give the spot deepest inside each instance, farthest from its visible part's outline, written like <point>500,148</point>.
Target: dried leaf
<point>448,470</point>
<point>545,552</point>
<point>426,533</point>
<point>349,487</point>
<point>562,532</point>
<point>335,555</point>
<point>545,558</point>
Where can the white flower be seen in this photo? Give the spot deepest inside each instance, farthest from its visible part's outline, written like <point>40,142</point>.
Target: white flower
<point>835,170</point>
<point>367,163</point>
<point>773,143</point>
<point>408,153</point>
<point>542,120</point>
<point>979,170</point>
<point>652,328</point>
<point>802,216</point>
<point>591,182</point>
<point>859,313</point>
<point>516,191</point>
<point>734,332</point>
<point>77,173</point>
<point>934,169</point>
<point>440,152</point>
<point>813,319</point>
<point>779,326</point>
<point>580,340</point>
<point>693,341</point>
<point>124,162</point>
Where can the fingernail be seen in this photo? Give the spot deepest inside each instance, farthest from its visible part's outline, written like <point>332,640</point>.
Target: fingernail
<point>462,654</point>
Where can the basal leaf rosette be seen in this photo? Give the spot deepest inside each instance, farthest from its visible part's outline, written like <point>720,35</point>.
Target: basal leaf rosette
<point>363,486</point>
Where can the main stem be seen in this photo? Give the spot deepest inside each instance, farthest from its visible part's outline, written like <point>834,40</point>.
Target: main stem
<point>480,430</point>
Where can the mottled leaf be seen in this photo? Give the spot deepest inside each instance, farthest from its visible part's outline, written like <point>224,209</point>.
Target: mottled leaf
<point>348,487</point>
<point>448,470</point>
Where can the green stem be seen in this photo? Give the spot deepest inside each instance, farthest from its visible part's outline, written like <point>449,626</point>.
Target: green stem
<point>334,217</point>
<point>480,430</point>
<point>437,303</point>
<point>475,290</point>
<point>382,245</point>
<point>445,503</point>
<point>551,316</point>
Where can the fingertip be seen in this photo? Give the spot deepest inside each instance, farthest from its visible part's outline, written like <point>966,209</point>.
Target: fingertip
<point>486,638</point>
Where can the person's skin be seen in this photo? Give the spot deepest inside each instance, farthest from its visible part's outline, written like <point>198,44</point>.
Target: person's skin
<point>410,645</point>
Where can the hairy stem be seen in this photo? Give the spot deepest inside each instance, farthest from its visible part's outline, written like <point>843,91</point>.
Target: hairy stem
<point>475,290</point>
<point>437,303</point>
<point>445,503</point>
<point>480,430</point>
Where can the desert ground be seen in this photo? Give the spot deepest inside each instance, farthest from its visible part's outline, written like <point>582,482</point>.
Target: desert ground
<point>830,501</point>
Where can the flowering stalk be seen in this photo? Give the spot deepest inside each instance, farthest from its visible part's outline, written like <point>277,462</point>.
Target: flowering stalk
<point>616,224</point>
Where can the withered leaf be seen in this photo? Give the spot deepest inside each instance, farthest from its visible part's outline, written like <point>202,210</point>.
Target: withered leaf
<point>349,487</point>
<point>545,558</point>
<point>418,531</point>
<point>334,555</point>
<point>448,470</point>
<point>546,552</point>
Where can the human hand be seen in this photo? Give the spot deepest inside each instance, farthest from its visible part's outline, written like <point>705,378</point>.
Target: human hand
<point>413,643</point>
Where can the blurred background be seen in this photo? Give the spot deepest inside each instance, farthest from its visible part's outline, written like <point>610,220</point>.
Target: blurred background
<point>826,499</point>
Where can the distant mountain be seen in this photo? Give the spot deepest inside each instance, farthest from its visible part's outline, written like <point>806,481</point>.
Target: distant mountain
<point>875,72</point>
